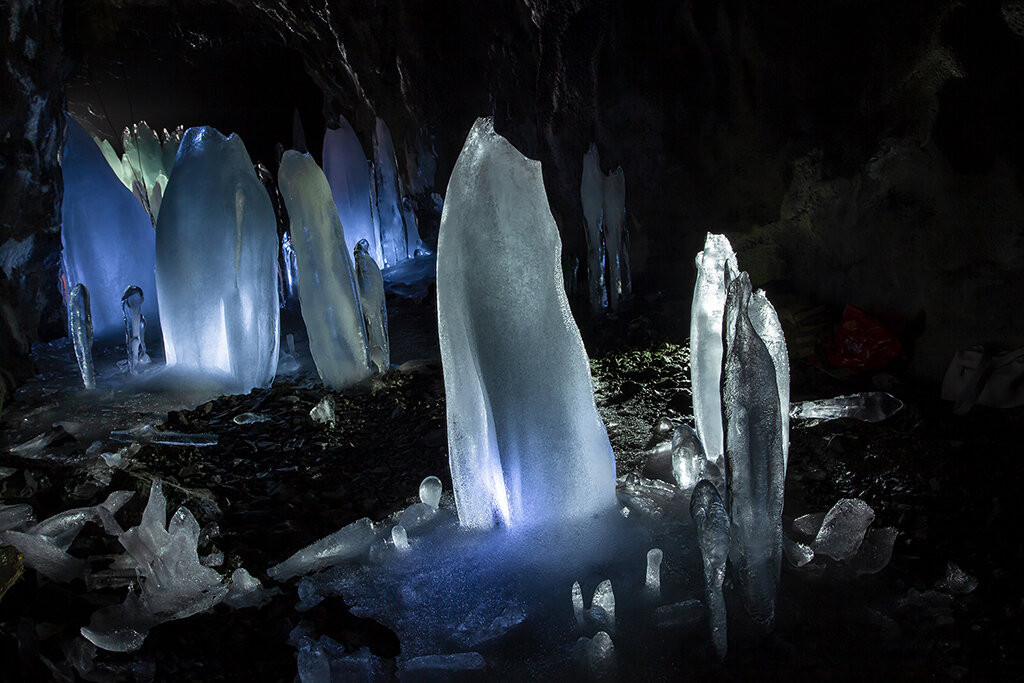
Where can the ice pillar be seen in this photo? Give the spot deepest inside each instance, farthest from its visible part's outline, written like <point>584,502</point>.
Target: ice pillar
<point>345,167</point>
<point>526,444</point>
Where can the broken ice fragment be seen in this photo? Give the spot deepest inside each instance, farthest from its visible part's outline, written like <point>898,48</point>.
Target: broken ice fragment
<point>755,460</point>
<point>245,590</point>
<point>44,557</point>
<point>347,543</point>
<point>875,552</point>
<point>61,529</point>
<point>602,607</point>
<point>957,581</point>
<point>843,529</point>
<point>430,491</point>
<point>399,537</point>
<point>81,333</point>
<point>327,285</point>
<point>873,406</point>
<point>323,412</point>
<point>479,627</point>
<point>527,446</point>
<point>653,582</point>
<point>715,264</point>
<point>807,526</point>
<point>134,328</point>
<point>596,656</point>
<point>796,552</point>
<point>249,418</point>
<point>577,604</point>
<point>16,517</point>
<point>688,459</point>
<point>712,522</point>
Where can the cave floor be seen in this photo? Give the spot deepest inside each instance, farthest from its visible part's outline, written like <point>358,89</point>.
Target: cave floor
<point>947,484</point>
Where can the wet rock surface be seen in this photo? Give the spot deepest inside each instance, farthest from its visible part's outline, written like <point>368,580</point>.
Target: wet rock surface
<point>273,486</point>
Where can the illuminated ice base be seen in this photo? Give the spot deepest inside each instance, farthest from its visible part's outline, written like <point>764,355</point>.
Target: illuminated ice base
<point>506,595</point>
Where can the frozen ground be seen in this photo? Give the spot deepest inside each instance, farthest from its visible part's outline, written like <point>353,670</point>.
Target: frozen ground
<point>274,486</point>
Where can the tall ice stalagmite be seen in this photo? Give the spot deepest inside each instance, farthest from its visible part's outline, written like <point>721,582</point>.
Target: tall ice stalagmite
<point>526,444</point>
<point>216,271</point>
<point>327,288</point>
<point>108,238</point>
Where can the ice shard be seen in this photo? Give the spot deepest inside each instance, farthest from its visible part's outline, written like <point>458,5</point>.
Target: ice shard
<point>327,287</point>
<point>107,237</point>
<point>688,459</point>
<point>712,522</point>
<point>614,228</point>
<point>872,406</point>
<point>755,464</point>
<point>345,167</point>
<point>370,284</point>
<point>714,266</point>
<point>134,328</point>
<point>82,333</point>
<point>592,194</point>
<point>767,326</point>
<point>526,443</point>
<point>217,264</point>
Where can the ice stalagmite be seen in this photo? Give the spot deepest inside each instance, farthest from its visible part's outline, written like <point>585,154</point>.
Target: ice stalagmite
<point>399,237</point>
<point>526,443</point>
<point>370,284</point>
<point>107,237</point>
<point>614,224</point>
<point>755,465</point>
<point>81,333</point>
<point>134,328</point>
<point>712,522</point>
<point>592,194</point>
<point>327,288</point>
<point>345,168</point>
<point>706,340</point>
<point>217,264</point>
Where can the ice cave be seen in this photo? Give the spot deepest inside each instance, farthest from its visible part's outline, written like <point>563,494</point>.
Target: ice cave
<point>511,341</point>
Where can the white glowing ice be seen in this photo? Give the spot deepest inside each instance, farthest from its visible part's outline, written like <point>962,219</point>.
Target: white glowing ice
<point>345,166</point>
<point>399,237</point>
<point>688,459</point>
<point>714,266</point>
<point>526,443</point>
<point>347,543</point>
<point>327,286</point>
<point>107,237</point>
<point>216,276</point>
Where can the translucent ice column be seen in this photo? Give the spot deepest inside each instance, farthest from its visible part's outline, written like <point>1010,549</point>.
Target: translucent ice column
<point>217,264</point>
<point>81,333</point>
<point>754,455</point>
<point>345,168</point>
<point>107,237</point>
<point>327,288</point>
<point>712,522</point>
<point>134,328</point>
<point>526,443</point>
<point>370,284</point>
<point>714,267</point>
<point>399,237</point>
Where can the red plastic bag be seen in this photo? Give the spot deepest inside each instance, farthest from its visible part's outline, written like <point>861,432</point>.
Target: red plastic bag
<point>860,341</point>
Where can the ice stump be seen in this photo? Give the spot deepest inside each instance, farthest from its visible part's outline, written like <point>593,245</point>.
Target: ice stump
<point>755,460</point>
<point>107,237</point>
<point>216,272</point>
<point>526,443</point>
<point>716,264</point>
<point>80,313</point>
<point>712,522</point>
<point>134,328</point>
<point>327,287</point>
<point>345,167</point>
<point>370,284</point>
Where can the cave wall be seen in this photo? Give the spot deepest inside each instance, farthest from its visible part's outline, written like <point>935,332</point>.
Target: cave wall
<point>855,151</point>
<point>31,133</point>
